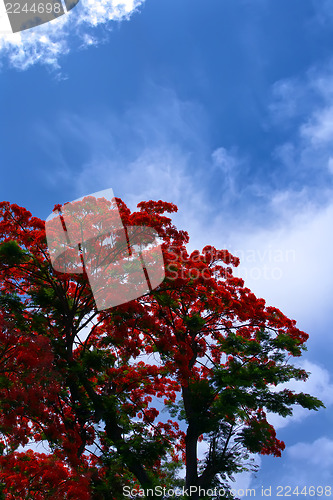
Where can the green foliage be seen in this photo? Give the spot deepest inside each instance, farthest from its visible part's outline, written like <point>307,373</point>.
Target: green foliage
<point>11,253</point>
<point>201,343</point>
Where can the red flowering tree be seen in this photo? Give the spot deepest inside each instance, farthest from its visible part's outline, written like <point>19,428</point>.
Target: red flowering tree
<point>92,385</point>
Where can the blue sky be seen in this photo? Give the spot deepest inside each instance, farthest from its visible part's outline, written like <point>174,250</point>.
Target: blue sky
<point>222,107</point>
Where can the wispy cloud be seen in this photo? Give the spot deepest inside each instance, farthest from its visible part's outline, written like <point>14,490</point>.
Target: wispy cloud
<point>317,453</point>
<point>319,129</point>
<point>303,107</point>
<point>46,43</point>
<point>319,384</point>
<point>310,464</point>
<point>229,165</point>
<point>158,149</point>
<point>154,150</point>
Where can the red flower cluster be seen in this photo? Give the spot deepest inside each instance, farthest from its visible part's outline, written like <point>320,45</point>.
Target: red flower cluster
<point>91,383</point>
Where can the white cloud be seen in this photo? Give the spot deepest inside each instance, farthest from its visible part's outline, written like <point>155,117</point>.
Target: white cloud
<point>330,164</point>
<point>224,160</point>
<point>229,164</point>
<point>47,42</point>
<point>305,106</point>
<point>303,206</point>
<point>323,14</point>
<point>150,176</point>
<point>319,453</point>
<point>286,97</point>
<point>309,463</point>
<point>319,129</point>
<point>303,465</point>
<point>159,172</point>
<point>318,384</point>
<point>290,265</point>
<point>137,154</point>
<point>287,262</point>
<point>242,480</point>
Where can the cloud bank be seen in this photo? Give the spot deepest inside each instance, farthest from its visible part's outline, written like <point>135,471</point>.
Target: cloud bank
<point>46,43</point>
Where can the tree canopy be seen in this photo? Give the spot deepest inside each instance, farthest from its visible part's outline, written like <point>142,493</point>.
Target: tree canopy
<point>121,397</point>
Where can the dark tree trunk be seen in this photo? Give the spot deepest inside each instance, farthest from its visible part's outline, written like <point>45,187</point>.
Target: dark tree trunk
<point>191,461</point>
<point>191,440</point>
